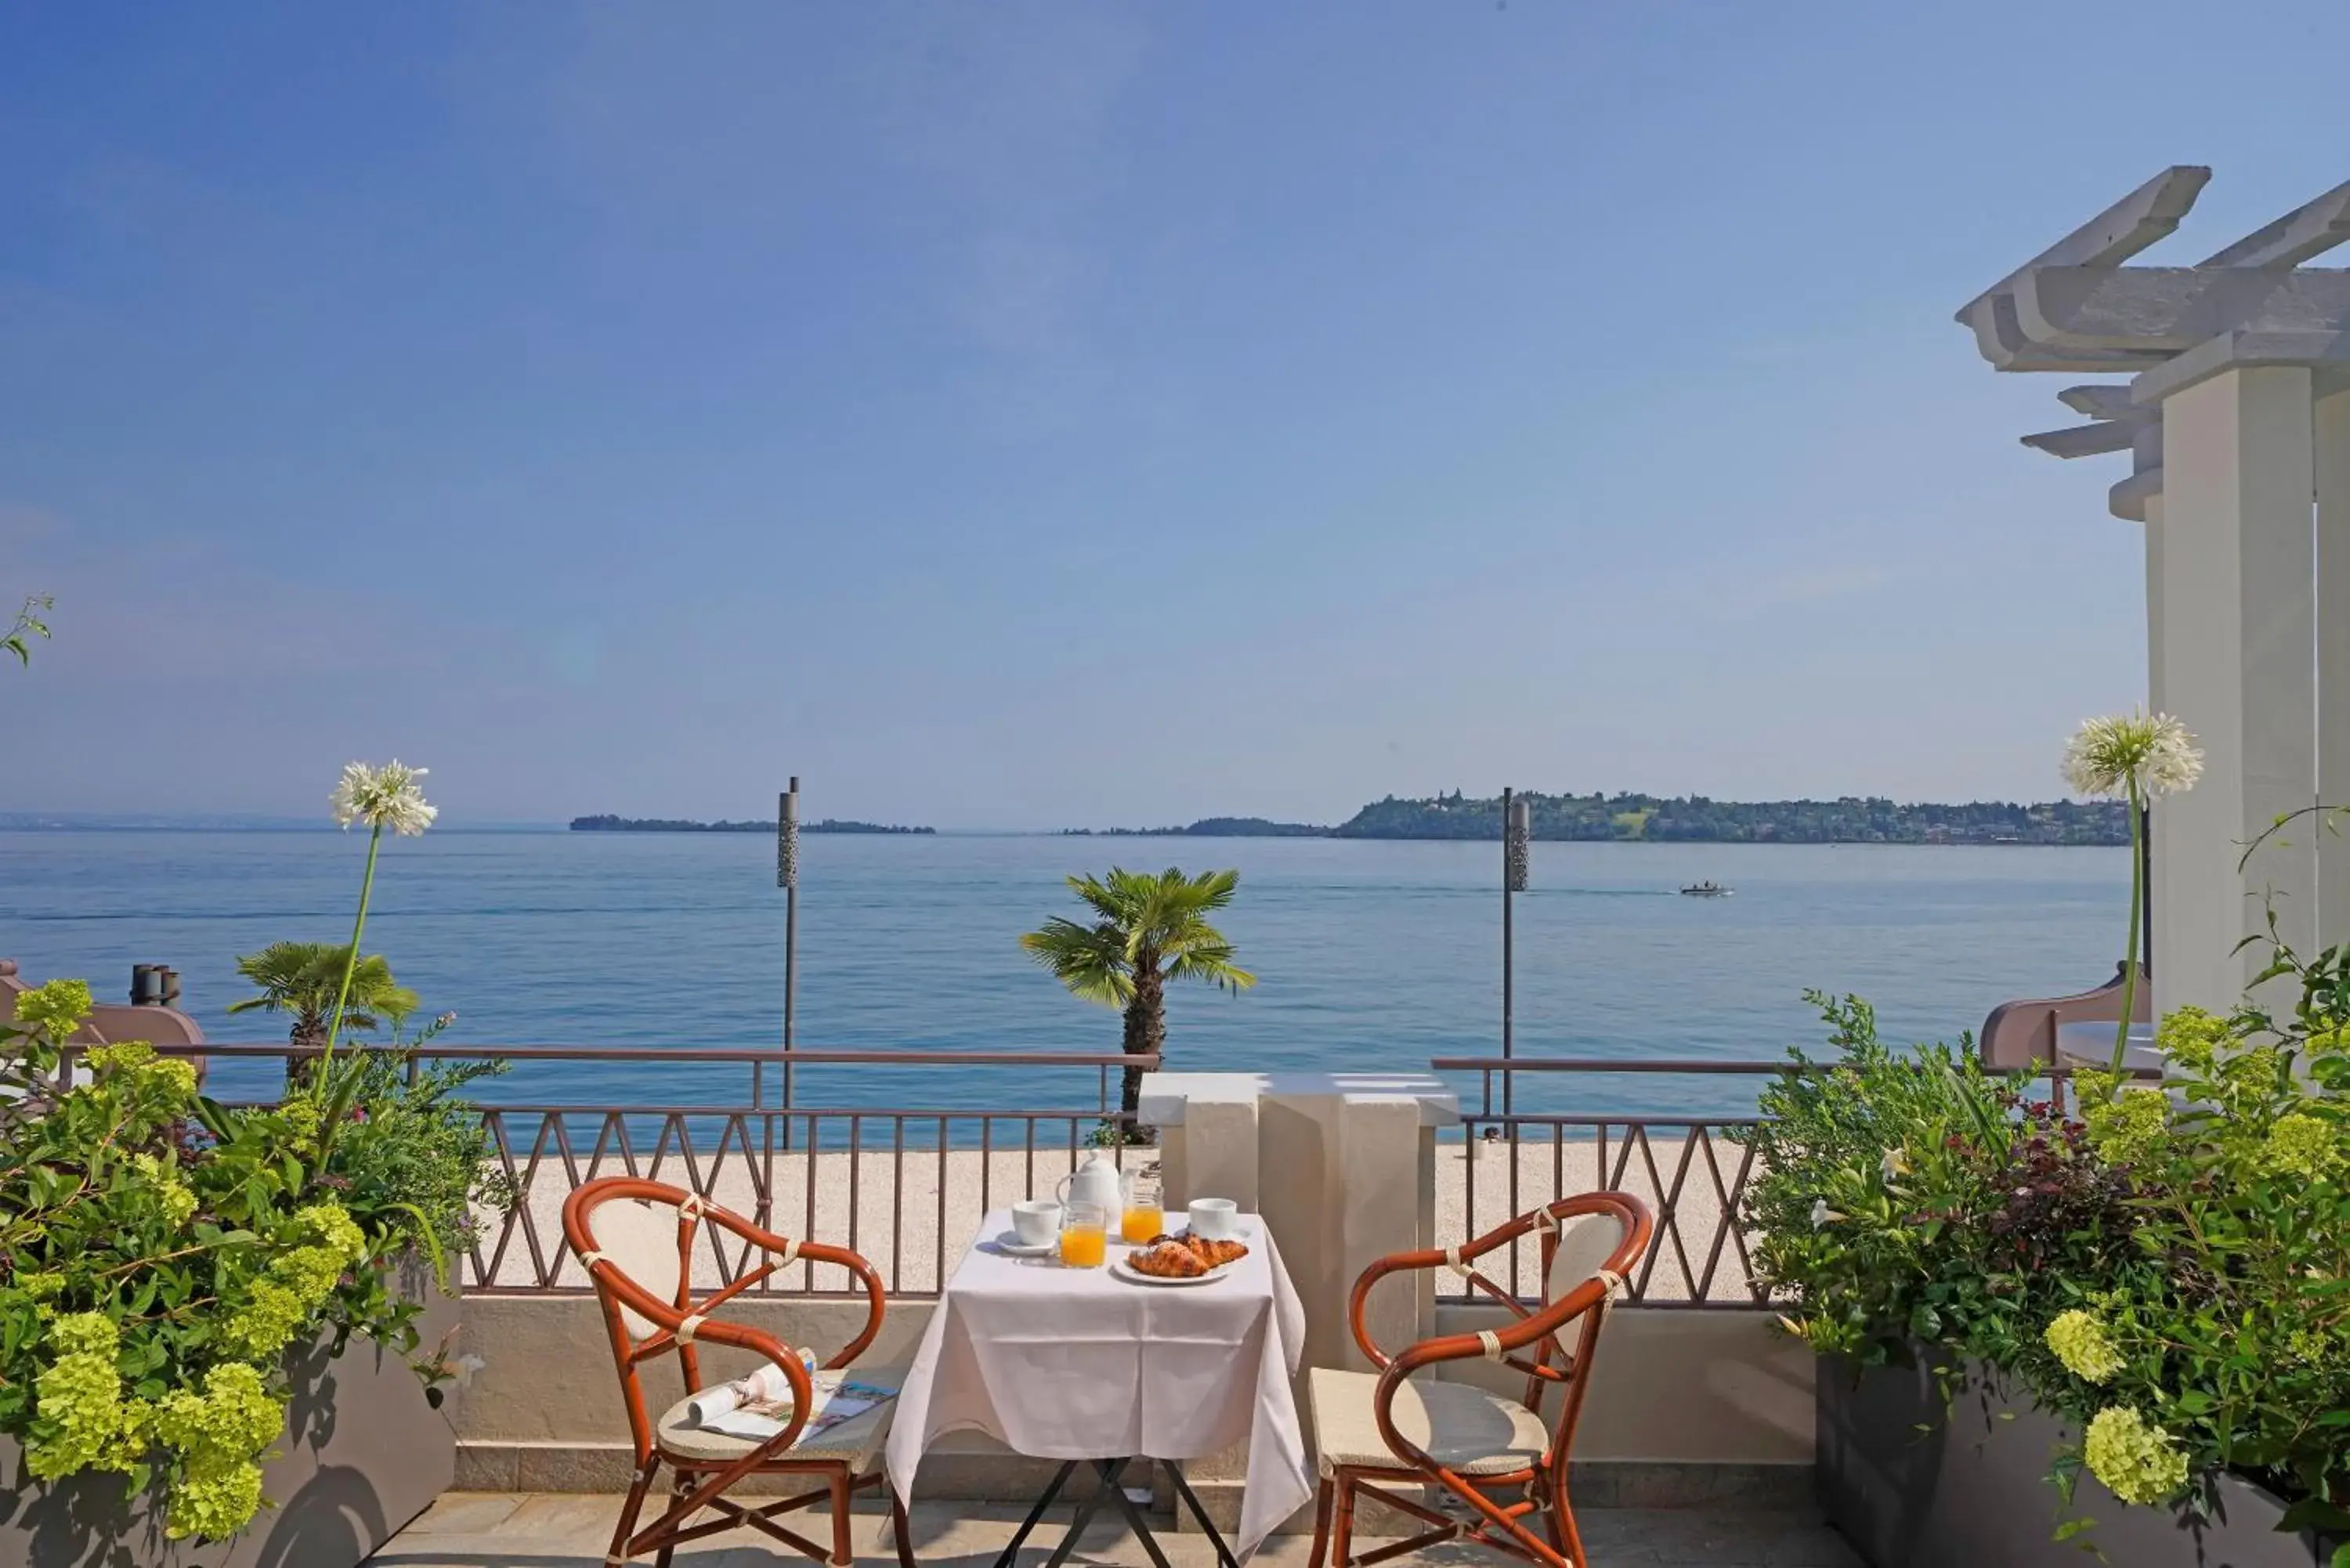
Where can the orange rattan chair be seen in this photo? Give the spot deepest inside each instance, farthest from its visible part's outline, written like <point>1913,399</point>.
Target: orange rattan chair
<point>1375,1431</point>
<point>636,1239</point>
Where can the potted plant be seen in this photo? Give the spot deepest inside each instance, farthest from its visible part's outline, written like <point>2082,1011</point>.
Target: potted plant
<point>184,1288</point>
<point>2123,1322</point>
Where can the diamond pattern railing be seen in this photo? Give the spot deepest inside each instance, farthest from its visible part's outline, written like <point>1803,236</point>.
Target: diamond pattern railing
<point>1691,1173</point>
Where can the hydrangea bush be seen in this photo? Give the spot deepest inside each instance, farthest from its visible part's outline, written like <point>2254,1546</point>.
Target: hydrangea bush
<point>160,1254</point>
<point>2166,1270</point>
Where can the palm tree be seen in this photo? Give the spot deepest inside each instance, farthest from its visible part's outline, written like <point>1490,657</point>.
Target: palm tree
<point>1147,931</point>
<point>300,979</point>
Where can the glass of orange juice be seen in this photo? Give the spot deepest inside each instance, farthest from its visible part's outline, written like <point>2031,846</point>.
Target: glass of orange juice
<point>1144,1219</point>
<point>1085,1237</point>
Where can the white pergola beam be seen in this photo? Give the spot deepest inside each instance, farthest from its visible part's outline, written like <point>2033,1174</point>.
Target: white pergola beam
<point>2168,310</point>
<point>2001,337</point>
<point>2309,230</point>
<point>2101,400</point>
<point>2113,236</point>
<point>2084,441</point>
<point>2147,214</point>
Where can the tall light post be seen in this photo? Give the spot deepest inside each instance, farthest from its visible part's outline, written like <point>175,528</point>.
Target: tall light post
<point>1517,834</point>
<point>787,878</point>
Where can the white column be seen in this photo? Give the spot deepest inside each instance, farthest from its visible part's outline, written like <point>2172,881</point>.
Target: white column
<point>2157,700</point>
<point>2332,429</point>
<point>2238,666</point>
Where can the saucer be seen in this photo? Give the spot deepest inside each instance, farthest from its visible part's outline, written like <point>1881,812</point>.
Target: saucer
<point>1010,1242</point>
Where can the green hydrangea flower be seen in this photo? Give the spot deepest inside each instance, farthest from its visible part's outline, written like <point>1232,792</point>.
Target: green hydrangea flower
<point>214,1505</point>
<point>220,1435</point>
<point>78,1399</point>
<point>153,1075</point>
<point>265,1324</point>
<point>177,1201</point>
<point>42,1286</point>
<point>2139,1462</point>
<point>2192,1038</point>
<point>2301,1145</point>
<point>2081,1342</point>
<point>2126,1128</point>
<point>127,1057</point>
<point>299,1280</point>
<point>56,1009</point>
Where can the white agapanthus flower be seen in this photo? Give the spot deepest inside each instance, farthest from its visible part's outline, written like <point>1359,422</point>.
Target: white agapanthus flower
<point>382,798</point>
<point>2152,752</point>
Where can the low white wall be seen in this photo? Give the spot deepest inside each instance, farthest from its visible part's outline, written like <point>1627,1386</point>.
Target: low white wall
<point>1673,1387</point>
<point>1677,1384</point>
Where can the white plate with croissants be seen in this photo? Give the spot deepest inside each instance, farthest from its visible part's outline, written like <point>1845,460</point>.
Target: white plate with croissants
<point>1183,1259</point>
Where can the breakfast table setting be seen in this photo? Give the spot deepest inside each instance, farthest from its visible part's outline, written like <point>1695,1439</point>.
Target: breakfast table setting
<point>1095,1328</point>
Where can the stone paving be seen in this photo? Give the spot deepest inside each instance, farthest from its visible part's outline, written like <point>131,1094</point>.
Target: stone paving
<point>497,1529</point>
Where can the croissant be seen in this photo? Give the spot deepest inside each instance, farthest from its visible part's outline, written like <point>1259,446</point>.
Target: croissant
<point>1212,1254</point>
<point>1215,1253</point>
<point>1168,1260</point>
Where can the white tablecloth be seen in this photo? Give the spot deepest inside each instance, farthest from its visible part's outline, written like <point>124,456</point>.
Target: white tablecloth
<point>1078,1364</point>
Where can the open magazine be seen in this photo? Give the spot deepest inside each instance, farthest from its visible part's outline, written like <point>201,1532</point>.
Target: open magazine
<point>834,1397</point>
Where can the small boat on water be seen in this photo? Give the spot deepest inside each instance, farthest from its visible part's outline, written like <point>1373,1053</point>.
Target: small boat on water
<point>1706,889</point>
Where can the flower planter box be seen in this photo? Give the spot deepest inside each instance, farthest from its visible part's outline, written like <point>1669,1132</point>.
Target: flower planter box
<point>363,1454</point>
<point>1913,1483</point>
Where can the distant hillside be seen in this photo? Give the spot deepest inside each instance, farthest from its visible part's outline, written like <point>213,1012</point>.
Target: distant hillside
<point>1694,819</point>
<point>1208,828</point>
<point>677,825</point>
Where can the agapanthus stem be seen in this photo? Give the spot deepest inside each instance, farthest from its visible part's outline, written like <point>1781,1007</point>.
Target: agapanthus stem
<point>351,959</point>
<point>2137,908</point>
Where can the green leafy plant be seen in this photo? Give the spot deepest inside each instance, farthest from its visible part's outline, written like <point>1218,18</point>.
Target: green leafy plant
<point>161,1254</point>
<point>2167,1270</point>
<point>1147,929</point>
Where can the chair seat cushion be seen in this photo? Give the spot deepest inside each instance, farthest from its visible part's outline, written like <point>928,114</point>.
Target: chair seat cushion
<point>1459,1426</point>
<point>856,1442</point>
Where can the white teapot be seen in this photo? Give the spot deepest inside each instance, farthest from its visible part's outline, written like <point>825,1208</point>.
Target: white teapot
<point>1097,1181</point>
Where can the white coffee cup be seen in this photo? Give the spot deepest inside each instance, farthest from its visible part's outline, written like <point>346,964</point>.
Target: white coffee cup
<point>1215,1219</point>
<point>1036,1221</point>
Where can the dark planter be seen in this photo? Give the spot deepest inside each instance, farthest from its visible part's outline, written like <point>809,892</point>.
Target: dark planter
<point>1913,1482</point>
<point>363,1454</point>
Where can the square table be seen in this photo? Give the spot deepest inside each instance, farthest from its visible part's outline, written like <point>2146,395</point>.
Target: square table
<point>1081,1366</point>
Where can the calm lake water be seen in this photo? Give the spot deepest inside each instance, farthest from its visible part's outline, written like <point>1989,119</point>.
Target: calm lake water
<point>1370,954</point>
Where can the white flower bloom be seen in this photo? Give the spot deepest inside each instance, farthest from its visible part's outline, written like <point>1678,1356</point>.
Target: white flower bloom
<point>2153,751</point>
<point>1822,1214</point>
<point>1893,1164</point>
<point>382,798</point>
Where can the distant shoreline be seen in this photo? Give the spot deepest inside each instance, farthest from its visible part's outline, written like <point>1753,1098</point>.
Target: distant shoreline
<point>682,824</point>
<point>1689,819</point>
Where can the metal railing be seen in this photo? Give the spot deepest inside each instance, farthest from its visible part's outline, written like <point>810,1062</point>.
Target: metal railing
<point>1693,1171</point>
<point>904,1184</point>
<point>1689,1169</point>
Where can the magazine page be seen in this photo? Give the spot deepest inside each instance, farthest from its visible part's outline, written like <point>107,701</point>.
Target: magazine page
<point>835,1399</point>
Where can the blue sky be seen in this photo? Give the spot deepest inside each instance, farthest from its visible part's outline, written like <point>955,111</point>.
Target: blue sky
<point>1027,415</point>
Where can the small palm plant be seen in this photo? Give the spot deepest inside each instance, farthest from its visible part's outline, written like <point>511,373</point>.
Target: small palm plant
<point>299,980</point>
<point>1147,928</point>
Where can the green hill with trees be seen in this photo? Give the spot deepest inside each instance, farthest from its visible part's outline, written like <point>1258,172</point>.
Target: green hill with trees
<point>1696,819</point>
